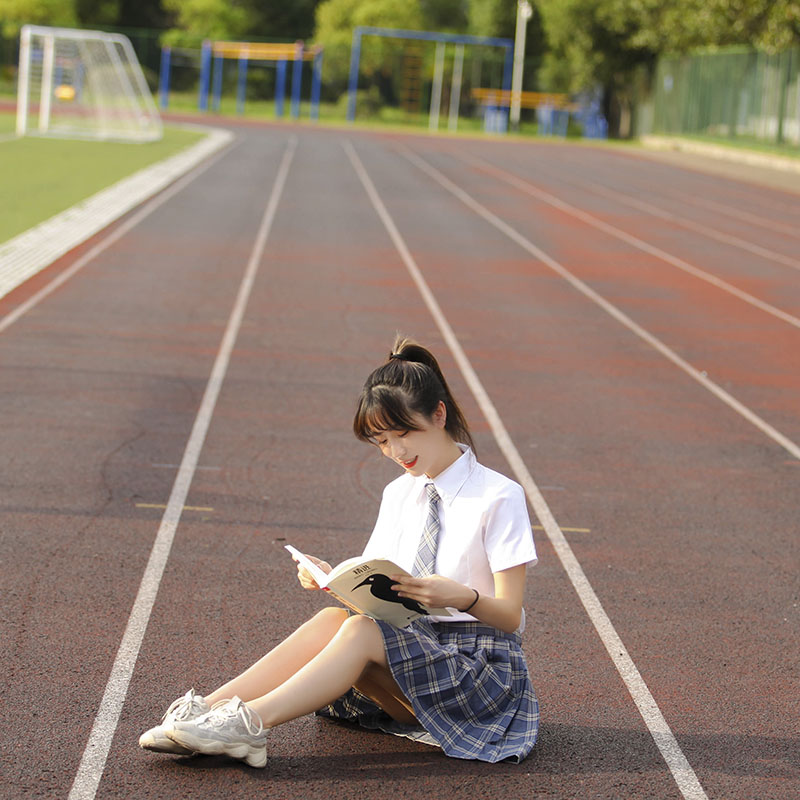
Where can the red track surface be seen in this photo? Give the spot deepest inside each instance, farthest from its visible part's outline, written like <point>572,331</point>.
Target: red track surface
<point>691,510</point>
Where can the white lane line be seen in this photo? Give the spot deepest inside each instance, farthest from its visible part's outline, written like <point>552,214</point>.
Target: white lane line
<point>94,756</point>
<point>678,765</point>
<point>704,230</point>
<point>791,447</point>
<point>634,241</point>
<point>144,212</point>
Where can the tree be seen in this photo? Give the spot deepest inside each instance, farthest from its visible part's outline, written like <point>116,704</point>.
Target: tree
<point>492,17</point>
<point>278,19</point>
<point>335,21</point>
<point>16,13</point>
<point>208,19</point>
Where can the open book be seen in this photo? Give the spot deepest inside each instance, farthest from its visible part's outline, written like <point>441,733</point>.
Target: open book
<point>364,585</point>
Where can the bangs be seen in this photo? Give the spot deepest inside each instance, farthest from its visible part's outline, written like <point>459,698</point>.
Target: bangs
<point>383,408</point>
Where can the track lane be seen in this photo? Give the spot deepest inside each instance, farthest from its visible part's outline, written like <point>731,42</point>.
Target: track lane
<point>584,189</point>
<point>650,450</point>
<point>331,293</point>
<point>726,267</point>
<point>340,290</point>
<point>763,370</point>
<point>651,176</point>
<point>103,381</point>
<point>680,768</point>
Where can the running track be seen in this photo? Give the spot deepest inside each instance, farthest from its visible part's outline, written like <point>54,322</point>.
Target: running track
<point>624,335</point>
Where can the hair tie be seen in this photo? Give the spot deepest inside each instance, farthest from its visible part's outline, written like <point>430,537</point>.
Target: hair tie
<point>398,356</point>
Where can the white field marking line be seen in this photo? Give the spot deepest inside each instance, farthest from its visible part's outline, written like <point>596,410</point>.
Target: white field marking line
<point>704,230</point>
<point>640,244</point>
<point>94,756</point>
<point>791,447</point>
<point>680,768</point>
<point>144,212</point>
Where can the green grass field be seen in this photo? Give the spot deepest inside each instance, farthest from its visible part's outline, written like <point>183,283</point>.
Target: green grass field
<point>42,177</point>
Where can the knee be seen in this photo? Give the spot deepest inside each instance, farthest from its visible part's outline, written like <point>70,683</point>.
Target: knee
<point>330,619</point>
<point>332,614</point>
<point>359,626</point>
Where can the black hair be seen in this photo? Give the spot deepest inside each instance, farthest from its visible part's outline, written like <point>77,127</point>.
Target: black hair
<point>408,384</point>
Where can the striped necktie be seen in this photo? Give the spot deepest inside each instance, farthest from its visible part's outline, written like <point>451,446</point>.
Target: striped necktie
<point>425,562</point>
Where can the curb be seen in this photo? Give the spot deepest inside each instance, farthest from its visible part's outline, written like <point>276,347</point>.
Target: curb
<point>749,157</point>
<point>38,247</point>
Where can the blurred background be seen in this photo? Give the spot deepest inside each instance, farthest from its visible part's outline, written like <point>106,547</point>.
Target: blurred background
<point>723,70</point>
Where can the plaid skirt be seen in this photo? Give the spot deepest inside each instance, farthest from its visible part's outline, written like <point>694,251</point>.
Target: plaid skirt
<point>467,683</point>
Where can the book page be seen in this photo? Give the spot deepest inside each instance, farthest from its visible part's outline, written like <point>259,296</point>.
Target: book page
<point>319,576</point>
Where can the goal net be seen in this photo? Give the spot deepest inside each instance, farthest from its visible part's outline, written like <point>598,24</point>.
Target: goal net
<point>83,84</point>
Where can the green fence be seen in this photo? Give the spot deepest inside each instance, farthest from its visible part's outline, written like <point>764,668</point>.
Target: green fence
<point>733,93</point>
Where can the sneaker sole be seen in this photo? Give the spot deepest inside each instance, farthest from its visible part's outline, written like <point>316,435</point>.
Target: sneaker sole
<point>252,756</point>
<point>173,749</point>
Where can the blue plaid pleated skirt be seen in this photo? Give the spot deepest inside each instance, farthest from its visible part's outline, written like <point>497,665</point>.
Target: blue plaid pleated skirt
<point>469,687</point>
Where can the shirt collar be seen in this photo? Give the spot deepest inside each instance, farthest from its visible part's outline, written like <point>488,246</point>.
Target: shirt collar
<point>448,483</point>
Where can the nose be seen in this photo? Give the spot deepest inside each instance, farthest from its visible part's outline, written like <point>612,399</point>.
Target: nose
<point>398,450</point>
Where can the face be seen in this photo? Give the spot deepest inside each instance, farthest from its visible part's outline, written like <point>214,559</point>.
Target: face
<point>427,451</point>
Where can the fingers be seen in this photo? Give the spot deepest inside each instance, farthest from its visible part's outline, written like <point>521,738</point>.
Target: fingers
<point>304,576</point>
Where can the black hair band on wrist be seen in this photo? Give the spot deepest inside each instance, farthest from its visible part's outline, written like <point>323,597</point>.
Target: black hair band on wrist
<point>477,597</point>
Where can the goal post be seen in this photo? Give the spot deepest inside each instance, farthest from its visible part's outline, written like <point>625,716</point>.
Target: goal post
<point>83,84</point>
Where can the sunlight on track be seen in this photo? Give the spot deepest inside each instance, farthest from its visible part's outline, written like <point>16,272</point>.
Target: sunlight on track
<point>529,188</point>
<point>791,447</point>
<point>746,216</point>
<point>679,766</point>
<point>704,230</point>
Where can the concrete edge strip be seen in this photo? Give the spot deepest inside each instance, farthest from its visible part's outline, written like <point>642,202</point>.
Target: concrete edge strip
<point>679,766</point>
<point>749,157</point>
<point>37,248</point>
<point>95,755</point>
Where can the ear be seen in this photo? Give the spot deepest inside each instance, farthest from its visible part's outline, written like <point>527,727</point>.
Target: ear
<point>439,417</point>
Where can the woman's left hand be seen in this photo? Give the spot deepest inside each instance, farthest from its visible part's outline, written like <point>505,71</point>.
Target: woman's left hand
<point>434,591</point>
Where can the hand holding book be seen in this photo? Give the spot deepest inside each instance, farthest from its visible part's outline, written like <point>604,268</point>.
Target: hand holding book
<point>305,576</point>
<point>365,586</point>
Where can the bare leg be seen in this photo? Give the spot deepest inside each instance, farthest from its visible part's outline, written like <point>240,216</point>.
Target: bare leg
<point>285,660</point>
<point>337,667</point>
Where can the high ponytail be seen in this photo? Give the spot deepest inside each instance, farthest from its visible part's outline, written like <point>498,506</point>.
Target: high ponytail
<point>410,383</point>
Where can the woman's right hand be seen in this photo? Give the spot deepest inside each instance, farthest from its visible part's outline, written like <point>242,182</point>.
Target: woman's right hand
<point>304,576</point>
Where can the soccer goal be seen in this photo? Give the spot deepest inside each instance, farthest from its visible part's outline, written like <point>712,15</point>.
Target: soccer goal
<point>84,85</point>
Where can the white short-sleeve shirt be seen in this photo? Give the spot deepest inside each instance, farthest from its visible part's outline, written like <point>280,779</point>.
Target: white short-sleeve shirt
<point>485,527</point>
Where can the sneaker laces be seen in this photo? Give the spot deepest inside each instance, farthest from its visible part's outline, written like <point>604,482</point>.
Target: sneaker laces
<point>188,706</point>
<point>225,710</point>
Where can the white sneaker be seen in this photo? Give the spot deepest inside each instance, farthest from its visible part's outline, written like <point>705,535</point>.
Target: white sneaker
<point>231,727</point>
<point>190,706</point>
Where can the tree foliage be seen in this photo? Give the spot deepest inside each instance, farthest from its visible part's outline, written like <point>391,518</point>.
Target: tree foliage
<point>604,40</point>
<point>336,20</point>
<point>16,13</point>
<point>209,19</point>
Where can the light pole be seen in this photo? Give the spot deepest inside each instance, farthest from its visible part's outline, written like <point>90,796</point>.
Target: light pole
<point>524,13</point>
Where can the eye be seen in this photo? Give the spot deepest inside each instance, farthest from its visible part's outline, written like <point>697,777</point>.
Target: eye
<point>403,434</point>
